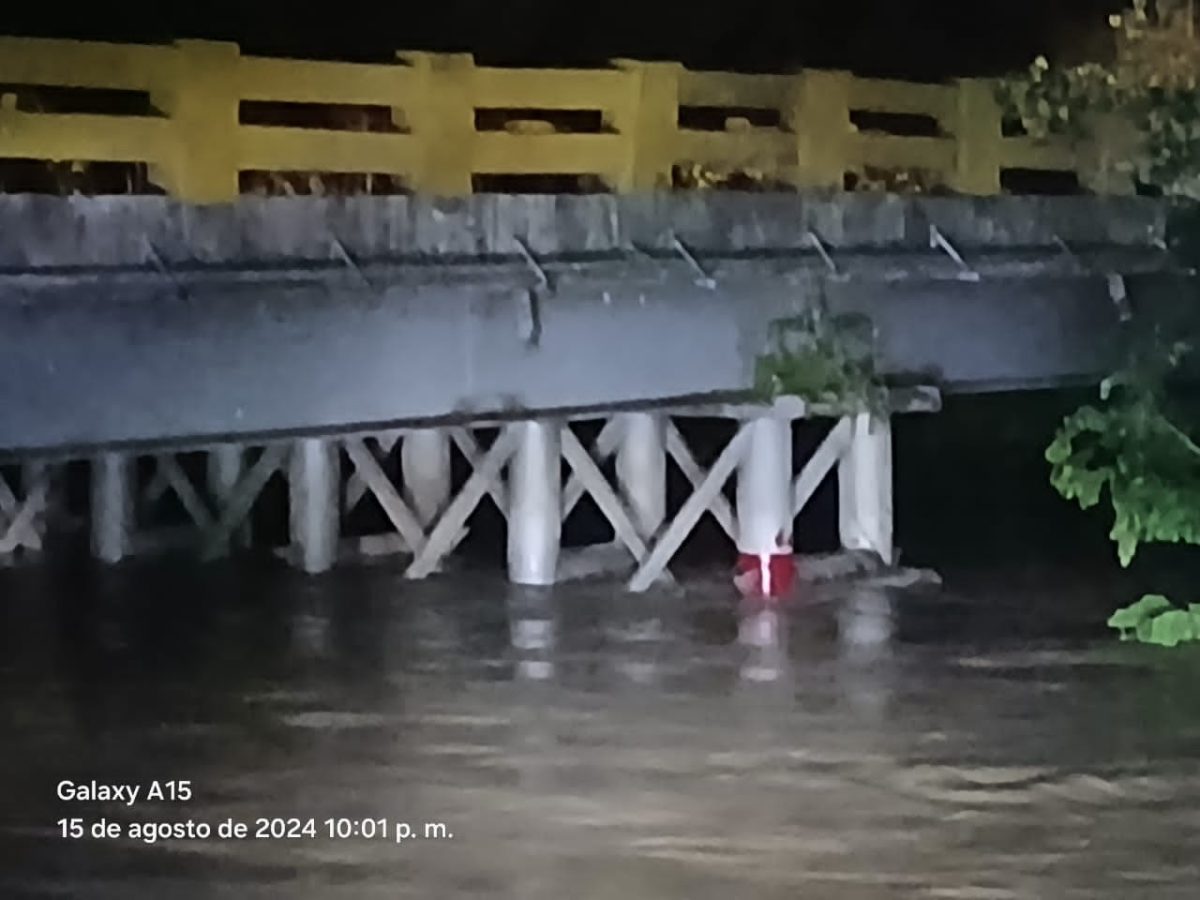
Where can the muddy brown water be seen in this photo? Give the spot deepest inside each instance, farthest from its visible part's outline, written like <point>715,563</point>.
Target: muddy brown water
<point>988,741</point>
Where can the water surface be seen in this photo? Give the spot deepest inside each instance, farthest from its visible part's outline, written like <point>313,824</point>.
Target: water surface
<point>987,741</point>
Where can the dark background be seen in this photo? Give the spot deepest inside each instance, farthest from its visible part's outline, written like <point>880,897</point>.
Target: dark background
<point>923,39</point>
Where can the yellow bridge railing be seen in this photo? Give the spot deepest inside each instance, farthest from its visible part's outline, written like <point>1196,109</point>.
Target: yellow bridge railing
<point>204,120</point>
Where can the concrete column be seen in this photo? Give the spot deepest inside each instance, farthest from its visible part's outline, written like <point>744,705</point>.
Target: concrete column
<point>764,489</point>
<point>113,484</point>
<point>425,467</point>
<point>642,469</point>
<point>865,488</point>
<point>314,484</point>
<point>225,466</point>
<point>535,505</point>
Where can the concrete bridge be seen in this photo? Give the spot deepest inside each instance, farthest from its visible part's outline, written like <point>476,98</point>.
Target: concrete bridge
<point>223,345</point>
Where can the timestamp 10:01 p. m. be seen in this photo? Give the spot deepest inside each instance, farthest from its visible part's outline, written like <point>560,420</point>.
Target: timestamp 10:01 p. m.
<point>350,829</point>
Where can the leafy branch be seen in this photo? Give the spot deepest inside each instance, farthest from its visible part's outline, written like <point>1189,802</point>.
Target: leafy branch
<point>823,359</point>
<point>1133,451</point>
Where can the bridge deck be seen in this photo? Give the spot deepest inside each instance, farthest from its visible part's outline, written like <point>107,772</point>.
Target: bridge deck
<point>145,320</point>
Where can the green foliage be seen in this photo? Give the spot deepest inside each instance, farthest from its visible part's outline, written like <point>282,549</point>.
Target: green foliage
<point>1053,101</point>
<point>821,358</point>
<point>1131,450</point>
<point>1150,86</point>
<point>1155,620</point>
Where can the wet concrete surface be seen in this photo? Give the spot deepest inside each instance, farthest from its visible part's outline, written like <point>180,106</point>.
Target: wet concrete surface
<point>987,740</point>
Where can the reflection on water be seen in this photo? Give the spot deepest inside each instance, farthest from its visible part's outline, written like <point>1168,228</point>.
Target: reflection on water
<point>983,742</point>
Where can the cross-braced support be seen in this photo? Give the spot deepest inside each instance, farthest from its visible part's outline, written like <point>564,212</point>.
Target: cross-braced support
<point>448,529</point>
<point>217,504</point>
<point>701,500</point>
<point>22,520</point>
<point>429,523</point>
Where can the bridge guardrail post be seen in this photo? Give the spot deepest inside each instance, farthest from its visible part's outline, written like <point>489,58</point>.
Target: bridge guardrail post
<point>649,124</point>
<point>201,97</point>
<point>979,147</point>
<point>820,118</point>
<point>441,115</point>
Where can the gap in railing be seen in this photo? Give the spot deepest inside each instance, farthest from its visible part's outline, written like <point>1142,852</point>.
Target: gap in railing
<point>545,63</point>
<point>266,183</point>
<point>895,181</point>
<point>1011,127</point>
<point>41,176</point>
<point>45,98</point>
<point>901,124</point>
<point>320,116</point>
<point>530,120</point>
<point>538,183</point>
<point>726,118</point>
<point>1054,182</point>
<point>696,176</point>
<point>322,52</point>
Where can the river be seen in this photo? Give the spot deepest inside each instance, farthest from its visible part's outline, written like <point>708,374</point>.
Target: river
<point>985,741</point>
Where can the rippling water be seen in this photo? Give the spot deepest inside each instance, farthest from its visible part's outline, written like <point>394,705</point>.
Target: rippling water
<point>988,741</point>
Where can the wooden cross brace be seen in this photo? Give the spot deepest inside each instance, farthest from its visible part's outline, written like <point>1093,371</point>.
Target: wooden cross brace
<point>380,448</point>
<point>678,450</point>
<point>19,518</point>
<point>369,473</point>
<point>206,517</point>
<point>820,464</point>
<point>605,446</point>
<point>169,473</point>
<point>465,441</point>
<point>240,499</point>
<point>702,499</point>
<point>447,531</point>
<point>586,473</point>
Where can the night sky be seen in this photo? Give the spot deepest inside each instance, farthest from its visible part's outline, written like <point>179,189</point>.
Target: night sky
<point>926,39</point>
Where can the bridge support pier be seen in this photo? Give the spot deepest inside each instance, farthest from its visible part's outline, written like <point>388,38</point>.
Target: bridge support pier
<point>425,471</point>
<point>865,487</point>
<point>764,507</point>
<point>535,504</point>
<point>113,478</point>
<point>642,469</point>
<point>314,484</point>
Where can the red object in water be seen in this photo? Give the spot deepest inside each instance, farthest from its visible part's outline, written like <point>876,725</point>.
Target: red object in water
<point>769,575</point>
